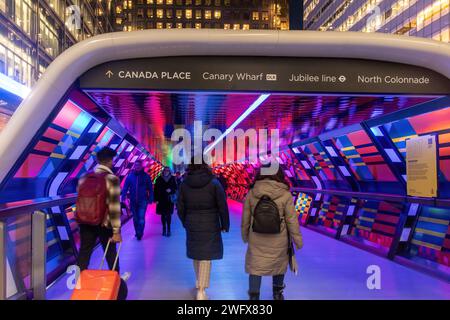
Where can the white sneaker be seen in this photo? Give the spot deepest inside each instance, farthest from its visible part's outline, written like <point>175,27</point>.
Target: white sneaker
<point>125,276</point>
<point>201,295</point>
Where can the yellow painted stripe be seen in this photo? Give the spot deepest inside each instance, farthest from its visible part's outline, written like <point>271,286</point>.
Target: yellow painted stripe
<point>57,155</point>
<point>359,164</point>
<point>73,134</point>
<point>431,233</point>
<point>353,156</point>
<point>363,228</point>
<point>366,219</point>
<point>404,138</point>
<point>52,242</point>
<point>428,245</point>
<point>370,210</point>
<point>433,220</point>
<point>348,148</point>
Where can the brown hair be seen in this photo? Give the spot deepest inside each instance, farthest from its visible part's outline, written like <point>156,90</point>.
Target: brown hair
<point>278,176</point>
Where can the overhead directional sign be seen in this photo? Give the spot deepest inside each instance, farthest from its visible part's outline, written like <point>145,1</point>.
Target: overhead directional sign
<point>266,74</point>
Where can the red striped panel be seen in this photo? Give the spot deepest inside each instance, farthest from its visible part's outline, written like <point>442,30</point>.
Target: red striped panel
<point>446,243</point>
<point>444,166</point>
<point>444,151</point>
<point>45,146</point>
<point>31,166</point>
<point>433,121</point>
<point>384,228</point>
<point>381,172</point>
<point>364,150</point>
<point>359,137</point>
<point>386,206</point>
<point>67,116</point>
<point>387,218</point>
<point>370,159</point>
<point>53,134</point>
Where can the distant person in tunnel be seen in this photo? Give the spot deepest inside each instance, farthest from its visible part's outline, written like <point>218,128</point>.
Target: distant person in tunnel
<point>99,219</point>
<point>203,210</point>
<point>268,220</point>
<point>165,197</point>
<point>139,189</point>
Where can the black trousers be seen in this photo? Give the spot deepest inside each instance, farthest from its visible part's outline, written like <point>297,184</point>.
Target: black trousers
<point>88,239</point>
<point>166,220</point>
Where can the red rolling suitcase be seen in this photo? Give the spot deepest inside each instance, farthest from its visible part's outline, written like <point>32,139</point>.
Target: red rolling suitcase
<point>98,284</point>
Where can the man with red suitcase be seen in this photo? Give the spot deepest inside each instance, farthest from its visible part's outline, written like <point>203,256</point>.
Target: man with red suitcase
<point>98,210</point>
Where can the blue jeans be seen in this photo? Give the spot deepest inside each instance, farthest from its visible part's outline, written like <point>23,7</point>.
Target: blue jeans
<point>255,282</point>
<point>138,210</point>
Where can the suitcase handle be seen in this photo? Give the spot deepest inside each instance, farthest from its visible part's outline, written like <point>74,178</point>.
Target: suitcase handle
<point>106,251</point>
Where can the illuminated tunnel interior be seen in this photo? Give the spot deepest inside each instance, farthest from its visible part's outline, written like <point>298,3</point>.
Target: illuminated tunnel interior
<point>344,152</point>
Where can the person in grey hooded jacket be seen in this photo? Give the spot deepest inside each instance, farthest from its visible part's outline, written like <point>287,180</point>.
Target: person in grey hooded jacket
<point>267,254</point>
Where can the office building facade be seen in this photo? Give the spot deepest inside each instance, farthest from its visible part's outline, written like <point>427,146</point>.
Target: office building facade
<point>421,18</point>
<point>132,15</point>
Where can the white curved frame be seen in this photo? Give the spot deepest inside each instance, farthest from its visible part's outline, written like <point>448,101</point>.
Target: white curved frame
<point>62,73</point>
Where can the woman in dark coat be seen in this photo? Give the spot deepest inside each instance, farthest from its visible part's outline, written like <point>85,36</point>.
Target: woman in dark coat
<point>203,210</point>
<point>165,189</point>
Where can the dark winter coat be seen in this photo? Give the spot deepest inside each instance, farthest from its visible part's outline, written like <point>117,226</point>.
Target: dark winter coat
<point>203,210</point>
<point>165,204</point>
<point>140,188</point>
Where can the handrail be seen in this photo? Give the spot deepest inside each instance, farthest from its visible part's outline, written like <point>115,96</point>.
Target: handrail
<point>378,196</point>
<point>33,208</point>
<point>16,208</point>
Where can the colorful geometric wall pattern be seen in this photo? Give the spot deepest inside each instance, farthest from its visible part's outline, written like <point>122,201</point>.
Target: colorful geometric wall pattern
<point>434,123</point>
<point>363,157</point>
<point>376,221</point>
<point>431,237</point>
<point>331,211</point>
<point>321,162</point>
<point>302,206</point>
<point>56,142</point>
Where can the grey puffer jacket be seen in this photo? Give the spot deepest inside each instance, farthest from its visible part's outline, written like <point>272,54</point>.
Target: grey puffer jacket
<point>267,253</point>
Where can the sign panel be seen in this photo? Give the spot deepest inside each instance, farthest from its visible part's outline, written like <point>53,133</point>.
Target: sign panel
<point>266,74</point>
<point>421,166</point>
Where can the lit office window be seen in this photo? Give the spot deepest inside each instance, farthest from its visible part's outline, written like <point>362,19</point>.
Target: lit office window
<point>227,3</point>
<point>168,25</point>
<point>217,3</point>
<point>198,2</point>
<point>159,1</point>
<point>140,13</point>
<point>188,25</point>
<point>208,2</point>
<point>179,14</point>
<point>169,2</point>
<point>130,4</point>
<point>159,13</point>
<point>226,26</point>
<point>118,20</point>
<point>236,26</point>
<point>198,25</point>
<point>198,14</point>
<point>169,13</point>
<point>188,2</point>
<point>150,1</point>
<point>255,15</point>
<point>179,25</point>
<point>118,9</point>
<point>207,14</point>
<point>265,16</point>
<point>159,25</point>
<point>150,13</point>
<point>179,2</point>
<point>217,14</point>
<point>188,13</point>
<point>245,26</point>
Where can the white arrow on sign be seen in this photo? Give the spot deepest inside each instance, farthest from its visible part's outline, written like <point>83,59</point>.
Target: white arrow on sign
<point>109,74</point>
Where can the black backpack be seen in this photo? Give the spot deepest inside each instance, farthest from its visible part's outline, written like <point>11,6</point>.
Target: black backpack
<point>266,217</point>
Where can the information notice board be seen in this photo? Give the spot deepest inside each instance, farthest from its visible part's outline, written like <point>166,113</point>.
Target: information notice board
<point>421,166</point>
